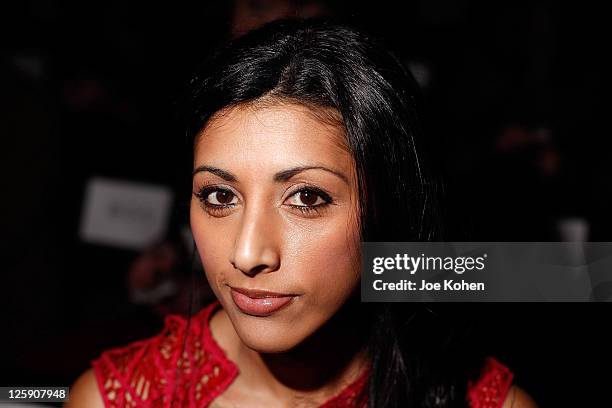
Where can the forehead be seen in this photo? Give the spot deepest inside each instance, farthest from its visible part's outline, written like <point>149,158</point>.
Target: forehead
<point>274,135</point>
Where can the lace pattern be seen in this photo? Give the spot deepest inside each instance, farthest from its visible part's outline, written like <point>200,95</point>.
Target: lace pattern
<point>492,387</point>
<point>156,373</point>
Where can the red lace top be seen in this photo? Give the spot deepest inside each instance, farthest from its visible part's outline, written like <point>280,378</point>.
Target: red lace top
<point>152,373</point>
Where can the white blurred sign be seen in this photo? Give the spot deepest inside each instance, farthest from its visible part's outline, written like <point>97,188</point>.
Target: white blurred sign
<point>124,214</point>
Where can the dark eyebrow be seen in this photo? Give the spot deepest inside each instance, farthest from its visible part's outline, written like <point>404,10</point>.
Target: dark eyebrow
<point>225,175</point>
<point>285,175</point>
<point>279,177</point>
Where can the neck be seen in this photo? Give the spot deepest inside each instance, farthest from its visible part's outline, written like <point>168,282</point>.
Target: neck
<point>315,370</point>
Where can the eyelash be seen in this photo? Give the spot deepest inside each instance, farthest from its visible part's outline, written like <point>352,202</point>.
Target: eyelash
<point>203,193</point>
<point>309,210</point>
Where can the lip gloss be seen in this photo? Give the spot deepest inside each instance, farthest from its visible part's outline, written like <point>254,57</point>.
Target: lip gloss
<point>259,306</point>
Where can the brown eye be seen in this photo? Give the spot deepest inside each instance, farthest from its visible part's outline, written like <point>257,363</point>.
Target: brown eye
<point>307,198</point>
<point>221,197</point>
<point>224,197</point>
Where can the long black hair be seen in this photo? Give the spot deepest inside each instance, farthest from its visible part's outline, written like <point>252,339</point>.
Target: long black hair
<point>322,64</point>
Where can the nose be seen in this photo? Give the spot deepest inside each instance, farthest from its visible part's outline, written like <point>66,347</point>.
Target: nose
<point>255,249</point>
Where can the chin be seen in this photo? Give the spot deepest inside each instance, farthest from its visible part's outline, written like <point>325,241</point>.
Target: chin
<point>267,336</point>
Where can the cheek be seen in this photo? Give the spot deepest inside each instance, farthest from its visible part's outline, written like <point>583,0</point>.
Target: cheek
<point>213,241</point>
<point>327,258</point>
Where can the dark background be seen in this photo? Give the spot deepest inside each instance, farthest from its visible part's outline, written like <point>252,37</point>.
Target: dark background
<point>514,113</point>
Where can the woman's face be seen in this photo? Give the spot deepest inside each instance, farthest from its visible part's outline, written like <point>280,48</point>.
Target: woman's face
<point>275,209</point>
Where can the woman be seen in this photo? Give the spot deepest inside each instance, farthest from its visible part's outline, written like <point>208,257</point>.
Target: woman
<point>305,143</point>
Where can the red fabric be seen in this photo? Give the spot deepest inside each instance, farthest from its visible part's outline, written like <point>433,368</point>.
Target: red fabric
<point>492,387</point>
<point>153,373</point>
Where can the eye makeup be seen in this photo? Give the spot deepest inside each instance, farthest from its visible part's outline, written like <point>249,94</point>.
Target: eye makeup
<point>218,201</point>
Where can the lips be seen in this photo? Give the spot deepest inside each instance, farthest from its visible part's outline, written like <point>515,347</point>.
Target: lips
<point>260,302</point>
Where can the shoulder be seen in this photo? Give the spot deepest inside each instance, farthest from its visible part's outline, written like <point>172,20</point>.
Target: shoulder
<point>137,370</point>
<point>117,367</point>
<point>518,398</point>
<point>85,392</point>
<point>142,371</point>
